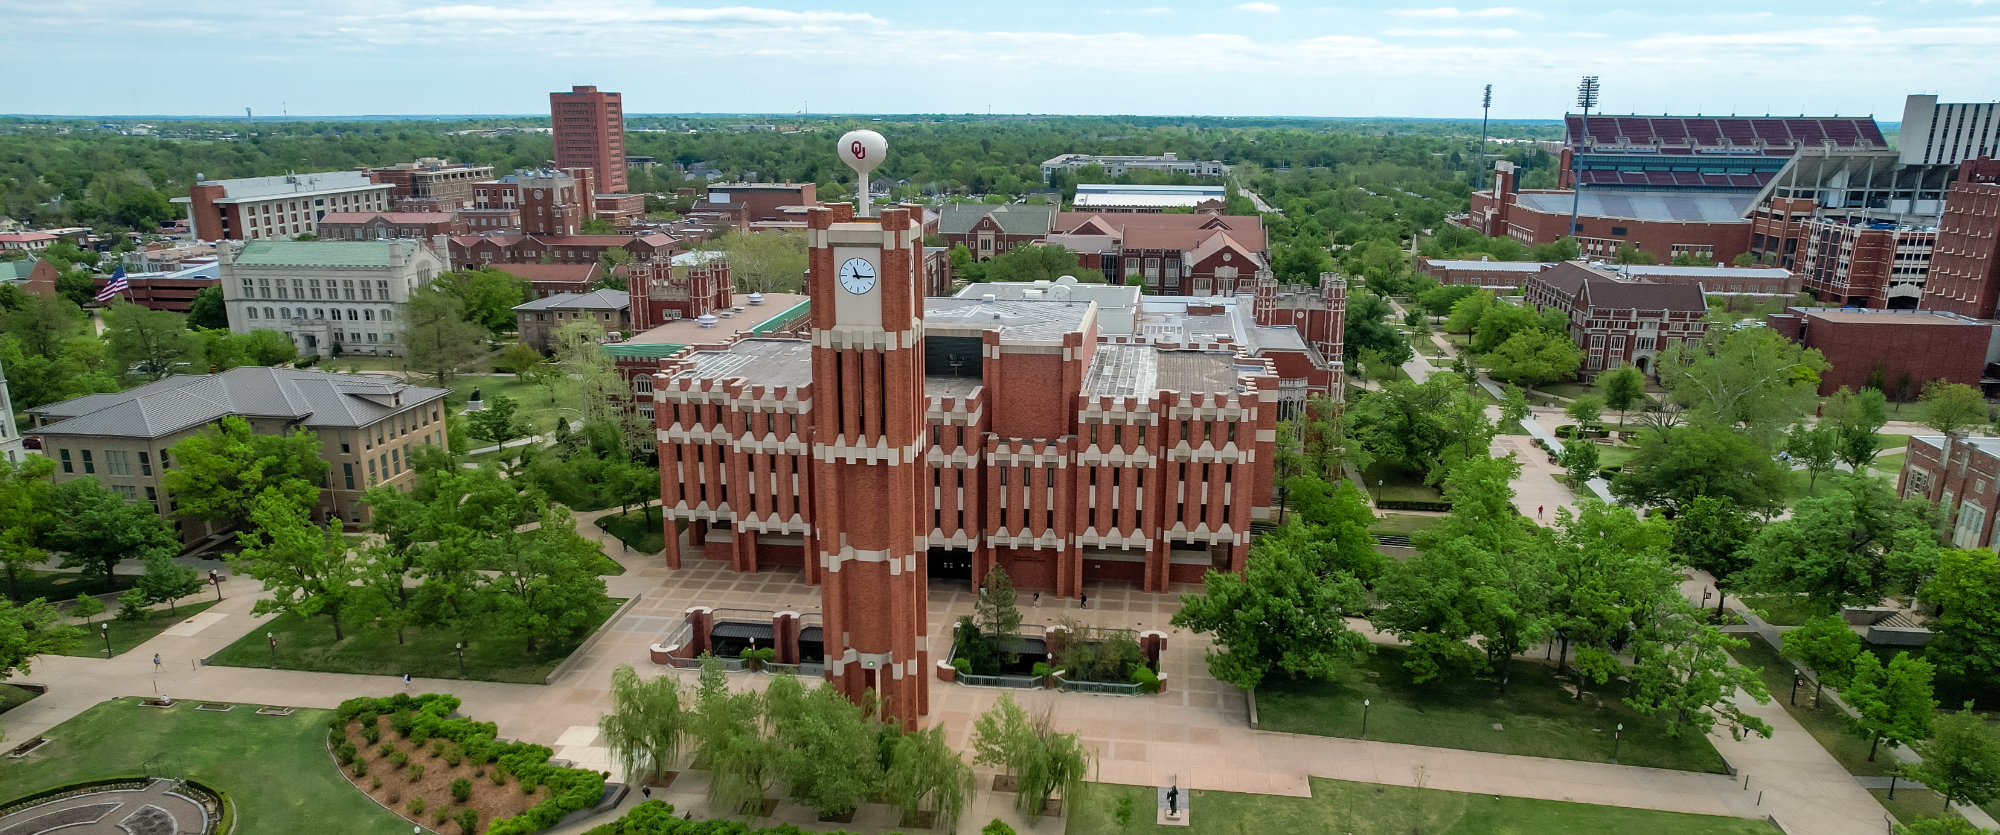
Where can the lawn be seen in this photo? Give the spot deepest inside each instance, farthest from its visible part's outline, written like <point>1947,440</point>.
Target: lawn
<point>1398,484</point>
<point>1889,465</point>
<point>125,636</point>
<point>1570,391</point>
<point>12,697</point>
<point>54,586</point>
<point>430,653</point>
<point>1426,346</point>
<point>1403,523</point>
<point>1614,456</point>
<point>1344,808</point>
<point>1885,441</point>
<point>1537,717</point>
<point>274,768</point>
<point>642,531</point>
<point>1826,723</point>
<point>534,410</point>
<point>1782,609</point>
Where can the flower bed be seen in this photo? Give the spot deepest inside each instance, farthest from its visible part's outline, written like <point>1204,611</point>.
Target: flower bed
<point>404,752</point>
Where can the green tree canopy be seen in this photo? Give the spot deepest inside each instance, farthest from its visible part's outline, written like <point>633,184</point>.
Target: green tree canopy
<point>1825,645</point>
<point>1422,427</point>
<point>1962,760</point>
<point>1851,545</point>
<point>441,338</point>
<point>307,567</point>
<point>1367,329</point>
<point>1285,613</point>
<point>221,473</point>
<point>1534,356</point>
<point>1709,535</point>
<point>1855,418</point>
<point>1966,625</point>
<point>1952,407</point>
<point>99,529</point>
<point>151,343</point>
<point>1753,379</point>
<point>1671,468</point>
<point>1893,701</point>
<point>487,294</point>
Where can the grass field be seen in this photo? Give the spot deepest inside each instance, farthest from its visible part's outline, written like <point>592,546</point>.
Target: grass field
<point>54,586</point>
<point>1782,609</point>
<point>1886,441</point>
<point>430,653</point>
<point>642,531</point>
<point>534,408</point>
<point>1337,807</point>
<point>1399,484</point>
<point>1888,464</point>
<point>125,636</point>
<point>1403,523</point>
<point>275,768</point>
<point>1537,717</point>
<point>12,697</point>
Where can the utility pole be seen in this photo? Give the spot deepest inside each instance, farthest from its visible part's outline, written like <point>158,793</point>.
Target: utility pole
<point>1485,111</point>
<point>1586,97</point>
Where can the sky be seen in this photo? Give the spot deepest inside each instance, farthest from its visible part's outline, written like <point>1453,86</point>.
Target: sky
<point>1145,57</point>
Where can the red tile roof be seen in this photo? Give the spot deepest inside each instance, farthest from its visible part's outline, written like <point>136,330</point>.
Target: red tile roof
<point>392,217</point>
<point>569,273</point>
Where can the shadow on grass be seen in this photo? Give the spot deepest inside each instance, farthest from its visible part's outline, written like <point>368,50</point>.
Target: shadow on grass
<point>490,655</point>
<point>1538,717</point>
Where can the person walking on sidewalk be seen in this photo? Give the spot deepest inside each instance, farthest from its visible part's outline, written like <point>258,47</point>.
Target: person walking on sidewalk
<point>156,662</point>
<point>406,683</point>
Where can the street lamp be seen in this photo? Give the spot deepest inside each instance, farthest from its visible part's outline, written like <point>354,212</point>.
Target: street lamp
<point>273,638</point>
<point>1797,680</point>
<point>216,581</point>
<point>1615,734</point>
<point>1378,490</point>
<point>106,629</point>
<point>461,660</point>
<point>1364,718</point>
<point>1586,97</point>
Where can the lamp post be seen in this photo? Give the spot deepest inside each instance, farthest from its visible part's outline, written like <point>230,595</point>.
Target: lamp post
<point>1586,97</point>
<point>1796,681</point>
<point>215,580</point>
<point>1364,718</point>
<point>1892,785</point>
<point>1615,734</point>
<point>1378,490</point>
<point>273,638</point>
<point>105,629</point>
<point>461,660</point>
<point>1485,110</point>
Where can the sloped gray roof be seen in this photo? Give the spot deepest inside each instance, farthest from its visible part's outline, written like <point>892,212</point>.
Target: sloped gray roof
<point>1014,218</point>
<point>594,300</point>
<point>313,398</point>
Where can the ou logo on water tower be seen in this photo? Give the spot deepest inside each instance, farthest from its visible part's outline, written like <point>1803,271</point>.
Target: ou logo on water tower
<point>857,150</point>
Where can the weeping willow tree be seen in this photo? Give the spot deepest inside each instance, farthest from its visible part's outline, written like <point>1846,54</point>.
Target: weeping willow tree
<point>737,742</point>
<point>1044,763</point>
<point>646,725</point>
<point>926,775</point>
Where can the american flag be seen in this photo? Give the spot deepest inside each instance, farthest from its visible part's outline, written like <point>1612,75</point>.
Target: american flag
<point>118,285</point>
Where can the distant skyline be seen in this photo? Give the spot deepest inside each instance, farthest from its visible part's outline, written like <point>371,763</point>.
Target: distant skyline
<point>1149,57</point>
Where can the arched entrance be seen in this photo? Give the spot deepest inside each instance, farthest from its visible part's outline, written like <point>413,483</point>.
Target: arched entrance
<point>1644,364</point>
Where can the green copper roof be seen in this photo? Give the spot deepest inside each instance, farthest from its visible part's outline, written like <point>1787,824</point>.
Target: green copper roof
<point>317,253</point>
<point>643,350</point>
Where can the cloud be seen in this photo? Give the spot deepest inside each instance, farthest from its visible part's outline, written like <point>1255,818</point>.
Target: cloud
<point>1152,10</point>
<point>1447,11</point>
<point>1262,8</point>
<point>1452,33</point>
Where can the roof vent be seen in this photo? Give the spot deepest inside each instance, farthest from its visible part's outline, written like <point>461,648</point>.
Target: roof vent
<point>756,298</point>
<point>707,320</point>
<point>986,299</point>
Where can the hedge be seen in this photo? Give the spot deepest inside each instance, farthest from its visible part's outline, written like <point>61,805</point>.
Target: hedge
<point>1394,504</point>
<point>570,789</point>
<point>655,817</point>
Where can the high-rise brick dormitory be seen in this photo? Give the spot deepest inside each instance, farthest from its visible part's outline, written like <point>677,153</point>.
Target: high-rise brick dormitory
<point>1065,456</point>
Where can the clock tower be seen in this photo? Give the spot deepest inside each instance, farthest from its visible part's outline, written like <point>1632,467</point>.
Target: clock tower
<point>865,278</point>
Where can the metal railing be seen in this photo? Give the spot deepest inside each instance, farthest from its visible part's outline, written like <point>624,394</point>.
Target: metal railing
<point>777,669</point>
<point>1012,682</point>
<point>1106,687</point>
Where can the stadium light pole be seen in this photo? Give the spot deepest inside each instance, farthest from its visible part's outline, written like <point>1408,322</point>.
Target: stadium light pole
<point>1586,97</point>
<point>1485,111</point>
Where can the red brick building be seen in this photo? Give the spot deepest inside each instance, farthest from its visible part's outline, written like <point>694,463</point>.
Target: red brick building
<point>622,210</point>
<point>1195,254</point>
<point>378,226</point>
<point>1962,477</point>
<point>1861,264</point>
<point>589,128</point>
<point>431,184</point>
<point>545,280</point>
<point>684,286</point>
<point>1617,322</point>
<point>554,249</point>
<point>1481,273</point>
<point>1965,263</point>
<point>989,230</point>
<point>167,291</point>
<point>1923,345</point>
<point>742,204</point>
<point>1710,227</point>
<point>32,275</point>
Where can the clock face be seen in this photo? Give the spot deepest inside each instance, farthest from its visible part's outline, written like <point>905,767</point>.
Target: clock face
<point>857,276</point>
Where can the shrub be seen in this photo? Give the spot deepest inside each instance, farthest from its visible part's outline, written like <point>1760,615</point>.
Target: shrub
<point>499,777</point>
<point>997,827</point>
<point>416,772</point>
<point>345,753</point>
<point>443,813</point>
<point>371,732</point>
<point>417,806</point>
<point>1123,813</point>
<point>452,757</point>
<point>1148,681</point>
<point>360,768</point>
<point>375,782</point>
<point>394,797</point>
<point>388,749</point>
<point>403,723</point>
<point>366,718</point>
<point>437,748</point>
<point>468,821</point>
<point>400,758</point>
<point>419,733</point>
<point>461,789</point>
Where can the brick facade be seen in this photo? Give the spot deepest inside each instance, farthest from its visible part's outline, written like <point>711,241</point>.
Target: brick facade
<point>1962,477</point>
<point>1965,264</point>
<point>589,132</point>
<point>1501,211</point>
<point>378,226</point>
<point>1876,265</point>
<point>1925,345</point>
<point>1616,322</point>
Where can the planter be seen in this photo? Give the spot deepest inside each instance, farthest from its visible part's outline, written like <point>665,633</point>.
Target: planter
<point>275,711</point>
<point>919,820</point>
<point>24,748</point>
<point>159,702</point>
<point>759,808</point>
<point>1006,783</point>
<point>946,672</point>
<point>843,817</point>
<point>218,708</point>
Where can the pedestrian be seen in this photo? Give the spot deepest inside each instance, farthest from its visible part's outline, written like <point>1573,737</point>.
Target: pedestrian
<point>647,791</point>
<point>1083,600</point>
<point>1038,599</point>
<point>1538,510</point>
<point>406,682</point>
<point>156,662</point>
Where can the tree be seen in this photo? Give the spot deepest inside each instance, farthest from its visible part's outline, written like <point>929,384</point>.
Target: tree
<point>1335,520</point>
<point>1439,300</point>
<point>1035,262</point>
<point>1855,418</point>
<point>166,581</point>
<point>27,516</point>
<point>764,262</point>
<point>496,422</point>
<point>43,324</point>
<point>1056,764</point>
<point>1745,259</point>
<point>1966,626</point>
<point>1500,323</point>
<point>1468,311</point>
<point>1514,405</point>
<point>545,587</point>
<point>31,629</point>
<point>1681,667</point>
<point>86,607</point>
<point>925,774</point>
<point>1422,427</point>
<point>1367,328</point>
<point>1709,535</point>
<point>221,473</point>
<point>1580,459</point>
<point>1751,378</point>
<point>596,226</point>
<point>517,358</point>
<point>1624,388</point>
<point>1585,410</point>
<point>1282,614</point>
<point>829,761</point>
<point>646,724</point>
<point>1951,407</point>
<point>995,609</point>
<point>206,310</point>
<point>306,567</point>
<point>1850,546</point>
<point>1301,261</point>
<point>1631,254</point>
<point>1607,570</point>
<point>222,350</point>
<point>1817,447</point>
<point>487,294</point>
<point>1825,645</point>
<point>442,341</point>
<point>546,375</point>
<point>1962,760</point>
<point>100,529</point>
<point>1670,470</point>
<point>1894,701</point>
<point>152,342</point>
<point>1001,736</point>
<point>1531,357</point>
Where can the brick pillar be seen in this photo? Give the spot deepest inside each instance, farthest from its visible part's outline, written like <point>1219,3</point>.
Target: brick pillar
<point>671,528</point>
<point>703,620</point>
<point>698,536</point>
<point>785,636</point>
<point>743,550</point>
